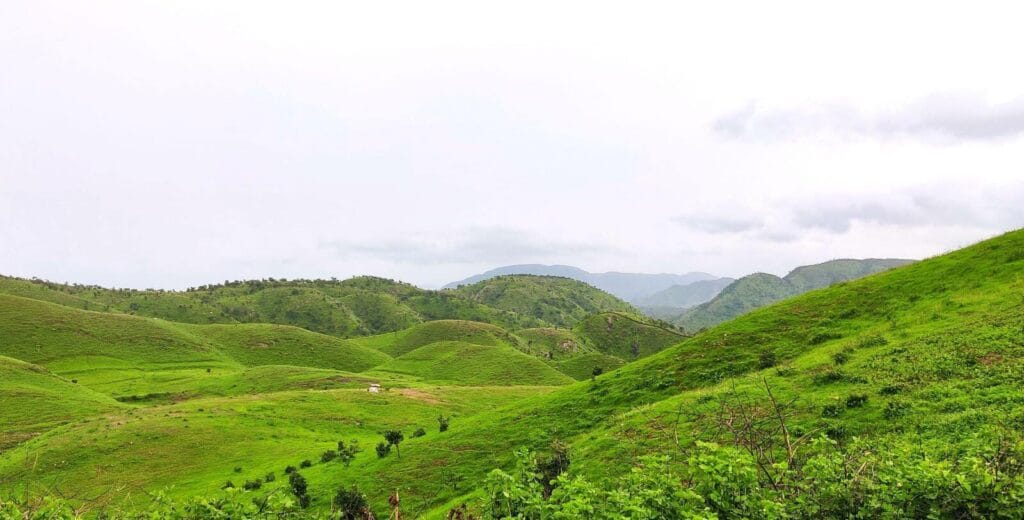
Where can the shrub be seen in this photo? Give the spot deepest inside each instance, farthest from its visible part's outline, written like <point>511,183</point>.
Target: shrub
<point>383,449</point>
<point>895,410</point>
<point>298,485</point>
<point>856,400</point>
<point>306,463</point>
<point>766,359</point>
<point>831,410</point>
<point>328,456</point>
<point>830,375</point>
<point>442,423</point>
<point>253,484</point>
<point>238,469</point>
<point>420,432</point>
<point>270,477</point>
<point>289,470</point>
<point>841,357</point>
<point>228,485</point>
<point>890,390</point>
<point>351,504</point>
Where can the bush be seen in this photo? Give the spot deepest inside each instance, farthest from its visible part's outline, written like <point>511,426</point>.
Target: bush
<point>442,423</point>
<point>298,485</point>
<point>841,357</point>
<point>831,410</point>
<point>766,360</point>
<point>228,485</point>
<point>895,410</point>
<point>270,477</point>
<point>253,484</point>
<point>328,456</point>
<point>856,400</point>
<point>351,504</point>
<point>306,463</point>
<point>830,375</point>
<point>420,432</point>
<point>289,470</point>
<point>238,469</point>
<point>383,449</point>
<point>890,390</point>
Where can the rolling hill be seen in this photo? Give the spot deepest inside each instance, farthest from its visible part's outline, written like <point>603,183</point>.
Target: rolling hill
<point>627,286</point>
<point>683,296</point>
<point>760,289</point>
<point>899,395</point>
<point>557,301</point>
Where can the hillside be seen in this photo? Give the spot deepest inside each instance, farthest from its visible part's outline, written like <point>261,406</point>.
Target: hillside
<point>683,296</point>
<point>627,286</point>
<point>561,302</point>
<point>462,363</point>
<point>760,289</point>
<point>931,346</point>
<point>911,374</point>
<point>347,308</point>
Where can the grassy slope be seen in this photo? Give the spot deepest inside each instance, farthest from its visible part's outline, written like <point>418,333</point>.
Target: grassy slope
<point>35,400</point>
<point>561,302</point>
<point>128,355</point>
<point>403,341</point>
<point>952,329</point>
<point>624,336</point>
<point>760,289</point>
<point>457,362</point>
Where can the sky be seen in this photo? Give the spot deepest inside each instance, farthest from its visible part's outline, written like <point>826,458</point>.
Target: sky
<point>172,144</point>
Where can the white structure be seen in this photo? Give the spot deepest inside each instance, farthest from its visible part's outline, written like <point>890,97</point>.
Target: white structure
<point>374,388</point>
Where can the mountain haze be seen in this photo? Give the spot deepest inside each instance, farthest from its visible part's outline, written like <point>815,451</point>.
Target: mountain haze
<point>628,286</point>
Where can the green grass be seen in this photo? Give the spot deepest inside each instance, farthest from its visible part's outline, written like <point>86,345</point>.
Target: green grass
<point>461,363</point>
<point>624,336</point>
<point>398,343</point>
<point>940,341</point>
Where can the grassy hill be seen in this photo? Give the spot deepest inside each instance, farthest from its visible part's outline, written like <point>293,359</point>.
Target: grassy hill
<point>900,393</point>
<point>458,362</point>
<point>760,289</point>
<point>561,302</point>
<point>403,341</point>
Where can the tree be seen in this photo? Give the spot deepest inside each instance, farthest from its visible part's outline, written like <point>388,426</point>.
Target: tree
<point>347,453</point>
<point>299,488</point>
<point>442,423</point>
<point>351,504</point>
<point>394,437</point>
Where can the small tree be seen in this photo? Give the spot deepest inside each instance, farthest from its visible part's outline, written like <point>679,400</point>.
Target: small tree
<point>328,456</point>
<point>383,449</point>
<point>394,437</point>
<point>442,423</point>
<point>597,371</point>
<point>298,485</point>
<point>347,453</point>
<point>420,432</point>
<point>351,504</point>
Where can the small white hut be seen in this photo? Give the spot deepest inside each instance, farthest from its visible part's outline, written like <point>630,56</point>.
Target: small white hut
<point>374,388</point>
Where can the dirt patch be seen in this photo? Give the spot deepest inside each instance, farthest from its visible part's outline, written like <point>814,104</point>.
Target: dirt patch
<point>991,359</point>
<point>419,395</point>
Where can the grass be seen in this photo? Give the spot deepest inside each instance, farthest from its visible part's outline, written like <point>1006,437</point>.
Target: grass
<point>457,362</point>
<point>936,346</point>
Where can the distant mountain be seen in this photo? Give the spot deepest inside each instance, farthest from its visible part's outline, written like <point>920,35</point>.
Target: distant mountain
<point>683,296</point>
<point>628,286</point>
<point>760,289</point>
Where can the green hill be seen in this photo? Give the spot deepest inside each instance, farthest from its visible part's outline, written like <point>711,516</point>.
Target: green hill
<point>760,289</point>
<point>458,362</point>
<point>35,400</point>
<point>683,296</point>
<point>624,336</point>
<point>897,395</point>
<point>403,341</point>
<point>347,308</point>
<point>561,302</point>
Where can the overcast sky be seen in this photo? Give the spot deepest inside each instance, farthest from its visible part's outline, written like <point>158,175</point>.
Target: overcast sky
<point>169,144</point>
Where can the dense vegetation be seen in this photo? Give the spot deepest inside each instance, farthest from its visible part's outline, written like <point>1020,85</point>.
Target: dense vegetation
<point>893,396</point>
<point>347,308</point>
